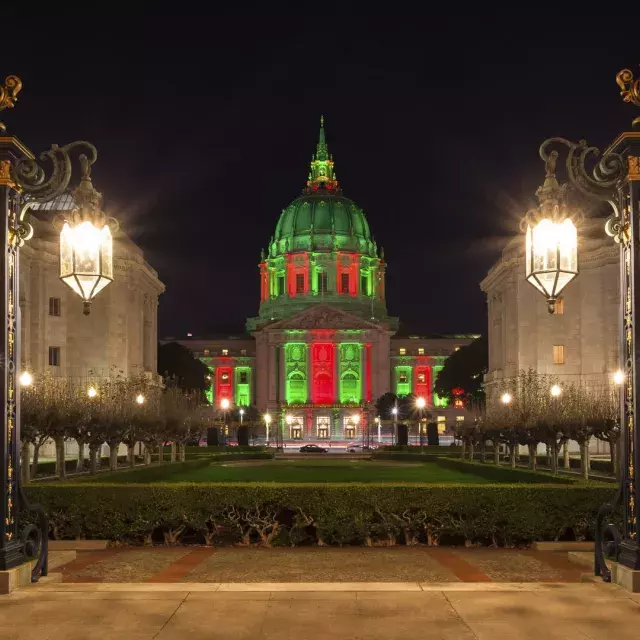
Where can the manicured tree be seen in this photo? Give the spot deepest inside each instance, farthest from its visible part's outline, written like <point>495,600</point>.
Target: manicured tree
<point>604,418</point>
<point>579,406</point>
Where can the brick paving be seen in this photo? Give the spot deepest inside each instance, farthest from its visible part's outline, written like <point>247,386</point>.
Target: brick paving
<point>349,564</point>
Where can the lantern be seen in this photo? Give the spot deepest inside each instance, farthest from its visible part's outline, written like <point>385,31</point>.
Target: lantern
<point>86,259</point>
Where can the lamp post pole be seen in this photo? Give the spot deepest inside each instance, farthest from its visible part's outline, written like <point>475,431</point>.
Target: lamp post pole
<point>614,179</point>
<point>24,185</point>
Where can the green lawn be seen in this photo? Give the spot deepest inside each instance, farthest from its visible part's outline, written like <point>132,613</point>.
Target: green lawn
<point>308,471</point>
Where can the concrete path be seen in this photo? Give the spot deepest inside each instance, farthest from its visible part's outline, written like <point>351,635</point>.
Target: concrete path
<point>306,611</point>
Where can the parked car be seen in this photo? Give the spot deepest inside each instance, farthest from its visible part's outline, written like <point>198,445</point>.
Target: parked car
<point>312,448</point>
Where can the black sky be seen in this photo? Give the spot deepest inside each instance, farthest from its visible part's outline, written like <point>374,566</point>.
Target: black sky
<point>205,126</point>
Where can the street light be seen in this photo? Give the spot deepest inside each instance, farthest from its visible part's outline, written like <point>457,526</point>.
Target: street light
<point>379,429</point>
<point>241,415</point>
<point>267,422</point>
<point>615,179</point>
<point>26,379</point>
<point>394,435</point>
<point>421,403</point>
<point>556,390</point>
<point>506,398</point>
<point>26,186</point>
<point>618,377</point>
<point>92,393</point>
<point>224,405</point>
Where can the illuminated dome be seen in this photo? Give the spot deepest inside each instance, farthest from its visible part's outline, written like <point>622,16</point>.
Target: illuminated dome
<point>322,251</point>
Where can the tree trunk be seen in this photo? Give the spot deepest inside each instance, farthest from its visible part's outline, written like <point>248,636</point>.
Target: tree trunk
<point>80,461</point>
<point>24,462</point>
<point>160,454</point>
<point>34,462</point>
<point>512,455</point>
<point>496,453</point>
<point>147,454</point>
<point>472,450</point>
<point>182,452</point>
<point>565,455</point>
<point>588,454</point>
<point>60,466</point>
<point>553,455</point>
<point>584,462</point>
<point>548,455</point>
<point>174,451</point>
<point>93,459</point>
<point>113,454</point>
<point>464,449</point>
<point>483,451</point>
<point>131,454</point>
<point>532,456</point>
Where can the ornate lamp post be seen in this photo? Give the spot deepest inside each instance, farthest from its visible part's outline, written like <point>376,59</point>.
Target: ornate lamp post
<point>614,179</point>
<point>24,185</point>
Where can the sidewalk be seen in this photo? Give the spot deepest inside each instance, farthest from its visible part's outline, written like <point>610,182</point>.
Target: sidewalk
<point>304,611</point>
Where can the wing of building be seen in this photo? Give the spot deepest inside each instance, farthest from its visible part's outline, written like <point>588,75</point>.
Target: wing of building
<point>322,347</point>
<point>579,342</point>
<point>119,337</point>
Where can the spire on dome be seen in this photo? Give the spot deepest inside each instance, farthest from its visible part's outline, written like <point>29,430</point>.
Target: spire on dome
<point>322,174</point>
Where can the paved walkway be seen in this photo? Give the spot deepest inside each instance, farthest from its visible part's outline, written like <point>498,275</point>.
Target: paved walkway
<point>313,564</point>
<point>303,611</point>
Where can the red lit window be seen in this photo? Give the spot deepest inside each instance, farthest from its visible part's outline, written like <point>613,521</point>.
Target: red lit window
<point>300,283</point>
<point>344,283</point>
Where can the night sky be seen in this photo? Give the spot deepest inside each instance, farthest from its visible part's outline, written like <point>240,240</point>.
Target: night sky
<point>205,127</point>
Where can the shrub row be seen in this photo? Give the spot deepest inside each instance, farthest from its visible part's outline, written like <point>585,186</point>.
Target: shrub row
<point>218,449</point>
<point>405,456</point>
<point>323,514</point>
<point>48,468</point>
<point>440,449</point>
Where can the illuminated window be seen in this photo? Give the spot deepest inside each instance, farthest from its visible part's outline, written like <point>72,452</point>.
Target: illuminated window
<point>457,349</point>
<point>422,378</point>
<point>322,282</point>
<point>364,285</point>
<point>421,351</point>
<point>459,418</point>
<point>403,351</point>
<point>402,378</point>
<point>558,354</point>
<point>224,376</point>
<point>280,282</point>
<point>442,419</point>
<point>323,427</point>
<point>54,356</point>
<point>225,352</point>
<point>206,352</point>
<point>344,283</point>
<point>244,377</point>
<point>243,352</point>
<point>54,306</point>
<point>559,308</point>
<point>299,282</point>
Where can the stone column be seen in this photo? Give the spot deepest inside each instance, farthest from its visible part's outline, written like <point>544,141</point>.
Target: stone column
<point>309,372</point>
<point>272,374</point>
<point>282,396</point>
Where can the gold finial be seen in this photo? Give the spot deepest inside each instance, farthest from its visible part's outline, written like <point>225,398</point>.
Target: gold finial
<point>630,89</point>
<point>8,95</point>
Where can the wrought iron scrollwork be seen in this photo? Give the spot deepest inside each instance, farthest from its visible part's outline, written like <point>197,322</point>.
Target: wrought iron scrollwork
<point>31,178</point>
<point>35,537</point>
<point>607,538</point>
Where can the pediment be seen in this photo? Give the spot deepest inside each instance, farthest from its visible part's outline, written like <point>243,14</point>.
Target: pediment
<point>323,316</point>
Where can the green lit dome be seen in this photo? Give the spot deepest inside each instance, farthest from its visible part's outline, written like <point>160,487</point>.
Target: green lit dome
<point>322,220</point>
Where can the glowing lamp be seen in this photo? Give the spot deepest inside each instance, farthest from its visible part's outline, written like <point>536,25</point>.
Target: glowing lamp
<point>267,418</point>
<point>224,403</point>
<point>556,390</point>
<point>506,398</point>
<point>86,259</point>
<point>92,393</point>
<point>618,377</point>
<point>26,379</point>
<point>355,419</point>
<point>394,410</point>
<point>421,403</point>
<point>551,256</point>
<point>140,399</point>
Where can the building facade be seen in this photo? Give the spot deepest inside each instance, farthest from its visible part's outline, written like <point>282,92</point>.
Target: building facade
<point>119,337</point>
<point>579,342</point>
<point>323,348</point>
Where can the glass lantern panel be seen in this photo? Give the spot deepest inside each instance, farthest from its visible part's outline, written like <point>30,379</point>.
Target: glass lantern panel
<point>66,251</point>
<point>527,252</point>
<point>568,246</point>
<point>71,281</point>
<point>107,253</point>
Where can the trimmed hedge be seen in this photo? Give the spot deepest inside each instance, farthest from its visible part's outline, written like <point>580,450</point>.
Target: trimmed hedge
<point>339,514</point>
<point>406,457</point>
<point>48,468</point>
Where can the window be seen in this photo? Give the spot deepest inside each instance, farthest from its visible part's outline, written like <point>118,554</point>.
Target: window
<point>422,378</point>
<point>459,418</point>
<point>442,419</point>
<point>224,377</point>
<point>225,352</point>
<point>322,282</point>
<point>457,349</point>
<point>344,283</point>
<point>558,354</point>
<point>280,285</point>
<point>364,285</point>
<point>299,282</point>
<point>402,378</point>
<point>559,308</point>
<point>403,351</point>
<point>244,377</point>
<point>54,306</point>
<point>243,352</point>
<point>54,356</point>
<point>206,352</point>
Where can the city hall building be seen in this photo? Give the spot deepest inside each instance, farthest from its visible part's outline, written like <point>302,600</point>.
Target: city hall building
<point>323,347</point>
